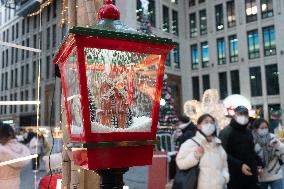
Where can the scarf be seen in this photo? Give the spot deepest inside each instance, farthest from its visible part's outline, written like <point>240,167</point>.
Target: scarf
<point>266,152</point>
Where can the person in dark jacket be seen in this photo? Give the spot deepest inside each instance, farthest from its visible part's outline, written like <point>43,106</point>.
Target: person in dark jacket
<point>186,130</point>
<point>243,162</point>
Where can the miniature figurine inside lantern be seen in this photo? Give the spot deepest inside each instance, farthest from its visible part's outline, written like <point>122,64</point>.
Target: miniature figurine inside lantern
<point>112,79</point>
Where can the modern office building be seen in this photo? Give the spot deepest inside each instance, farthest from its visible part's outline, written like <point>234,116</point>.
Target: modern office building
<point>236,46</point>
<point>19,68</point>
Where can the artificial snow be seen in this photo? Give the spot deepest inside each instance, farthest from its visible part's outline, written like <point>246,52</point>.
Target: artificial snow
<point>140,124</point>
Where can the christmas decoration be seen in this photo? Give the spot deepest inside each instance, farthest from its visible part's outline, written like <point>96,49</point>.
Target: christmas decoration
<point>167,116</point>
<point>113,75</point>
<point>210,104</point>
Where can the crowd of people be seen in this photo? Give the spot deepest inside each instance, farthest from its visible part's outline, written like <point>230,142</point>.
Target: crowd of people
<point>244,155</point>
<point>16,145</point>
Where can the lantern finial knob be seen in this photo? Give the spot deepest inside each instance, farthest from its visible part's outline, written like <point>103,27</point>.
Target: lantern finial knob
<point>109,11</point>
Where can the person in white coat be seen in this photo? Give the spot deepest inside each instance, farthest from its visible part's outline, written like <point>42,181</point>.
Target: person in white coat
<point>271,152</point>
<point>210,155</point>
<point>11,149</point>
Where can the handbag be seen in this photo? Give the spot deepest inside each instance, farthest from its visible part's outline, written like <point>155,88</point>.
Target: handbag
<point>187,179</point>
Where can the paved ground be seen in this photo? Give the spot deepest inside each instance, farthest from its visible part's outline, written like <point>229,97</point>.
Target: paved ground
<point>135,178</point>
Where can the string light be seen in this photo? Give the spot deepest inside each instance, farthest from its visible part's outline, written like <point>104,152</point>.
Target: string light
<point>42,7</point>
<point>18,160</point>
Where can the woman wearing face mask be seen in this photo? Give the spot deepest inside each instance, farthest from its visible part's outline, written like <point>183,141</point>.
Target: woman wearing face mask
<point>271,151</point>
<point>210,155</point>
<point>11,149</point>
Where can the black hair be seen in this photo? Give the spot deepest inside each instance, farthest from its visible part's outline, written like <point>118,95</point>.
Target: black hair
<point>29,137</point>
<point>204,116</point>
<point>184,119</point>
<point>258,122</point>
<point>6,131</point>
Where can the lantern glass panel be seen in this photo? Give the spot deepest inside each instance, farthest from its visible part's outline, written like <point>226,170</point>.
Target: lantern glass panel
<point>73,94</point>
<point>121,89</point>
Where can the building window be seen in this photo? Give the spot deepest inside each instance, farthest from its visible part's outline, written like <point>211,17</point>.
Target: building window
<point>233,48</point>
<point>28,24</point>
<point>255,81</point>
<point>203,22</point>
<point>35,21</point>
<point>7,57</point>
<point>235,82</point>
<point>251,10</point>
<point>269,41</point>
<point>54,9</point>
<point>191,3</point>
<point>23,26</point>
<point>48,38</point>
<point>266,8</point>
<point>22,98</point>
<point>15,98</point>
<point>175,22</point>
<point>13,33</point>
<point>23,51</point>
<point>194,56</point>
<point>195,88</point>
<point>16,77</point>
<point>48,14</point>
<point>34,42</point>
<point>219,17</point>
<point>5,107</point>
<point>12,55</point>
<point>54,35</point>
<point>6,80</point>
<point>26,98</point>
<point>11,107</point>
<point>176,57</point>
<point>206,82</point>
<point>28,45</point>
<point>33,97</point>
<point>17,30</point>
<point>152,12</point>
<point>231,14</point>
<point>2,82</point>
<point>253,44</point>
<point>12,79</point>
<point>166,21</point>
<point>201,1</point>
<point>34,71</point>
<point>192,25</point>
<point>27,74</point>
<point>47,67</point>
<point>204,54</point>
<point>22,75</point>
<point>16,55</point>
<point>272,79</point>
<point>221,51</point>
<point>223,85</point>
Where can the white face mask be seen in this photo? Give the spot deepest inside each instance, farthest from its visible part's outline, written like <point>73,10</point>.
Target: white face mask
<point>208,129</point>
<point>262,132</point>
<point>243,120</point>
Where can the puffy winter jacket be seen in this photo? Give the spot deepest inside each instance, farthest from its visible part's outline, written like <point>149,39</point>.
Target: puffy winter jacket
<point>273,171</point>
<point>10,174</point>
<point>237,140</point>
<point>213,164</point>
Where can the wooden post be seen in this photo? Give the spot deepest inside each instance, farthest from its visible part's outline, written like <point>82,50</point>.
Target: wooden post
<point>80,13</point>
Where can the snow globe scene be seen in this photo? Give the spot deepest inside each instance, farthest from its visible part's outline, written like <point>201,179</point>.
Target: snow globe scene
<point>121,90</point>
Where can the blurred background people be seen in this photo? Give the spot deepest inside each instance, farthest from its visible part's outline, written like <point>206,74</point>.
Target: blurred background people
<point>238,142</point>
<point>271,152</point>
<point>11,149</point>
<point>206,149</point>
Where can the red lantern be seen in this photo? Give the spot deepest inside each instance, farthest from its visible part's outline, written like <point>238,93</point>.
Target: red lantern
<point>112,80</point>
